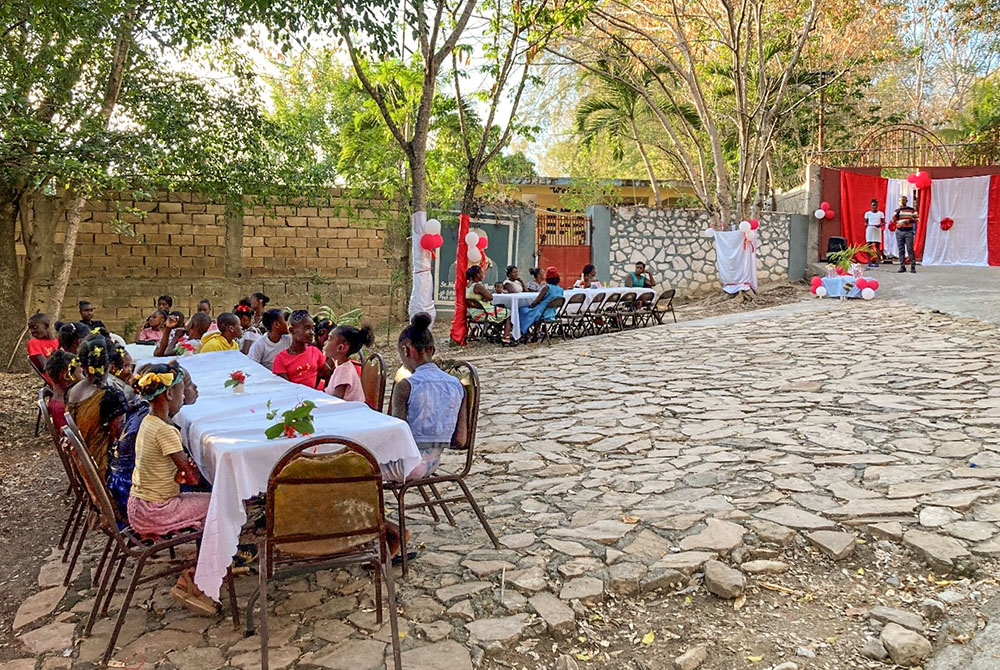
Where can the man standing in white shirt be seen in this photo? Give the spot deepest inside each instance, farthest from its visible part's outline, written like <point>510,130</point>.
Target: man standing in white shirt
<point>874,222</point>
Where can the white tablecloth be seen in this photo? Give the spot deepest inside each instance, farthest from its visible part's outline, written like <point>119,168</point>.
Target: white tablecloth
<point>225,434</point>
<point>140,351</point>
<point>514,300</point>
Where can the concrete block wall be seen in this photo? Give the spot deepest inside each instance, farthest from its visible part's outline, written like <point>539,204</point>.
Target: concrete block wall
<point>671,243</point>
<point>191,248</point>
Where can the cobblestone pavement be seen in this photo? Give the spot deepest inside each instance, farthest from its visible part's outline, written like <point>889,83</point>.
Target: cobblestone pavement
<point>708,464</point>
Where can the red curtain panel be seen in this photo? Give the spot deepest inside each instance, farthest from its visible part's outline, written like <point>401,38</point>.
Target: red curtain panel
<point>993,222</point>
<point>923,212</point>
<point>458,325</point>
<point>856,193</point>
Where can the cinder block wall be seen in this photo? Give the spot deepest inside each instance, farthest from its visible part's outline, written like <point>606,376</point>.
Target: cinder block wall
<point>329,251</point>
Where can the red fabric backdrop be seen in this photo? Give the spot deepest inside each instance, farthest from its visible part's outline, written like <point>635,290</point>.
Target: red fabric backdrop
<point>458,325</point>
<point>856,194</point>
<point>993,222</point>
<point>923,213</point>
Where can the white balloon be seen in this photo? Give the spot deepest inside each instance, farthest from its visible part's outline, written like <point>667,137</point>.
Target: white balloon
<point>475,255</point>
<point>867,293</point>
<point>821,291</point>
<point>708,232</point>
<point>819,214</point>
<point>745,226</point>
<point>432,227</point>
<point>471,239</point>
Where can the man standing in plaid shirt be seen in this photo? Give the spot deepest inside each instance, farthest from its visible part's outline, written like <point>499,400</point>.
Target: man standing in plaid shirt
<point>905,219</point>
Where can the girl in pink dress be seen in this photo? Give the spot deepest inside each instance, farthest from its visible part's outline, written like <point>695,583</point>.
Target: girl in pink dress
<point>344,342</point>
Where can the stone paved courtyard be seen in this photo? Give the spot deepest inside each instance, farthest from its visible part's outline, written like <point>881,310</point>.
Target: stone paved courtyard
<point>810,487</point>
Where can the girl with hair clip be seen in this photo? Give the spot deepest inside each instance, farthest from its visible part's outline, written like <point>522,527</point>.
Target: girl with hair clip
<point>344,342</point>
<point>244,312</point>
<point>156,505</point>
<point>61,370</point>
<point>85,399</point>
<point>120,368</point>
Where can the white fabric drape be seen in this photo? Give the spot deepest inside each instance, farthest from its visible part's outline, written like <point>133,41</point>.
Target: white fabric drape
<point>736,259</point>
<point>966,201</point>
<point>895,189</point>
<point>422,295</point>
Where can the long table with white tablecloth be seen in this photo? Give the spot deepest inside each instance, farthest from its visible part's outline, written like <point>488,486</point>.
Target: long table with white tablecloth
<point>224,433</point>
<point>513,301</point>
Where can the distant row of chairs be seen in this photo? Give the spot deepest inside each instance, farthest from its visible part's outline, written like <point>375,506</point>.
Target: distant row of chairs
<point>605,313</point>
<point>323,510</point>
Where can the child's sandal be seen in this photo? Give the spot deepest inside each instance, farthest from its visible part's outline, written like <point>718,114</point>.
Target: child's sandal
<point>186,593</point>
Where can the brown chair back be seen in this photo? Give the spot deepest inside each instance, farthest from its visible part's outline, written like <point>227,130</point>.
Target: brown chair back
<point>44,395</point>
<point>324,503</point>
<point>557,304</point>
<point>666,298</point>
<point>595,303</point>
<point>611,302</point>
<point>576,299</point>
<point>373,381</point>
<point>92,483</point>
<point>469,377</point>
<point>644,300</point>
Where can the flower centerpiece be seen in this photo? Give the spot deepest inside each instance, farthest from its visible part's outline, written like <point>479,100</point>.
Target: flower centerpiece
<point>236,381</point>
<point>294,422</point>
<point>184,348</point>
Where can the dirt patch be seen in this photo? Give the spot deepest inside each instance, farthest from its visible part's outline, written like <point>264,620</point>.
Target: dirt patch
<point>722,303</point>
<point>32,483</point>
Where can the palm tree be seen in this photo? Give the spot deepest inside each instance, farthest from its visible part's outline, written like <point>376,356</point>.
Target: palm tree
<point>614,111</point>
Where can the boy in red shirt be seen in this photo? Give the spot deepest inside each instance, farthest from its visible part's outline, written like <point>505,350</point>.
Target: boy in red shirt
<point>301,363</point>
<point>42,344</point>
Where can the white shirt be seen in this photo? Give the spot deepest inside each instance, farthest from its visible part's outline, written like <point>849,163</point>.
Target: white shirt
<point>263,350</point>
<point>873,221</point>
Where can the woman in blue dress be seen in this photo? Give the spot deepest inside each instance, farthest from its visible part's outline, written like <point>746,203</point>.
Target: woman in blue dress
<point>539,309</point>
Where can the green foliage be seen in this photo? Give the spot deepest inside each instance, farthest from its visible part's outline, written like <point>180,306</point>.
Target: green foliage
<point>298,420</point>
<point>348,318</point>
<point>129,328</point>
<point>845,257</point>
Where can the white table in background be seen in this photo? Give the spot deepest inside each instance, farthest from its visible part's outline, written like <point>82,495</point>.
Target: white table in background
<point>513,301</point>
<point>224,433</point>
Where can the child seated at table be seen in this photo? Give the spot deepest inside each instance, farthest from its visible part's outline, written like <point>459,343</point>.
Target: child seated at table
<point>344,342</point>
<point>430,400</point>
<point>42,343</point>
<point>156,505</point>
<point>61,370</point>
<point>301,363</point>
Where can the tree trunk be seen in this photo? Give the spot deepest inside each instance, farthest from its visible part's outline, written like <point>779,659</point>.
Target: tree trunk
<point>11,297</point>
<point>649,167</point>
<point>469,195</point>
<point>74,212</point>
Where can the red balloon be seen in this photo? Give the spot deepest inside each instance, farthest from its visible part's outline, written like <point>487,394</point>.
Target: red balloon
<point>862,283</point>
<point>427,242</point>
<point>813,289</point>
<point>817,281</point>
<point>825,206</point>
<point>754,224</point>
<point>872,284</point>
<point>923,180</point>
<point>482,243</point>
<point>841,271</point>
<point>830,214</point>
<point>912,178</point>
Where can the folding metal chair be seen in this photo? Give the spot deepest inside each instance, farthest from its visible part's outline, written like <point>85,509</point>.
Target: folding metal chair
<point>466,374</point>
<point>373,381</point>
<point>324,510</point>
<point>664,303</point>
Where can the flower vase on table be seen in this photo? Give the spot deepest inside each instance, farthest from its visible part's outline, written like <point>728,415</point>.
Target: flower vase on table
<point>237,378</point>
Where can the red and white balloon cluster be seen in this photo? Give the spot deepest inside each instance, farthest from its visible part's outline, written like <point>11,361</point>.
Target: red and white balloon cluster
<point>431,240</point>
<point>749,224</point>
<point>919,179</point>
<point>824,211</point>
<point>477,246</point>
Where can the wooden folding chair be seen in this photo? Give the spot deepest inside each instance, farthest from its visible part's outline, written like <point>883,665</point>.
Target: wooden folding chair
<point>466,374</point>
<point>324,510</point>
<point>123,544</point>
<point>373,381</point>
<point>664,303</point>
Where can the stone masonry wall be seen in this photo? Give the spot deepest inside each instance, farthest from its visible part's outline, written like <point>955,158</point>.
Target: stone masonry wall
<point>190,248</point>
<point>670,242</point>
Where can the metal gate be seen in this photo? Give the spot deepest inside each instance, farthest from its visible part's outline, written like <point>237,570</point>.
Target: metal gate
<point>563,241</point>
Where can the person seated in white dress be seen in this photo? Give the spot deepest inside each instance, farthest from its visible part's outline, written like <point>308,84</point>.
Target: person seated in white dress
<point>588,279</point>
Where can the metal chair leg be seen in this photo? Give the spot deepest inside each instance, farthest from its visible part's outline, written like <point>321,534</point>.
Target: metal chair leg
<point>69,522</point>
<point>76,527</point>
<point>114,584</point>
<point>102,563</point>
<point>77,551</point>
<point>390,588</point>
<point>102,590</point>
<point>120,621</point>
<point>38,422</point>
<point>479,513</point>
<point>262,557</point>
<point>430,507</point>
<point>447,512</point>
<point>231,581</point>
<point>402,532</point>
<point>377,578</point>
